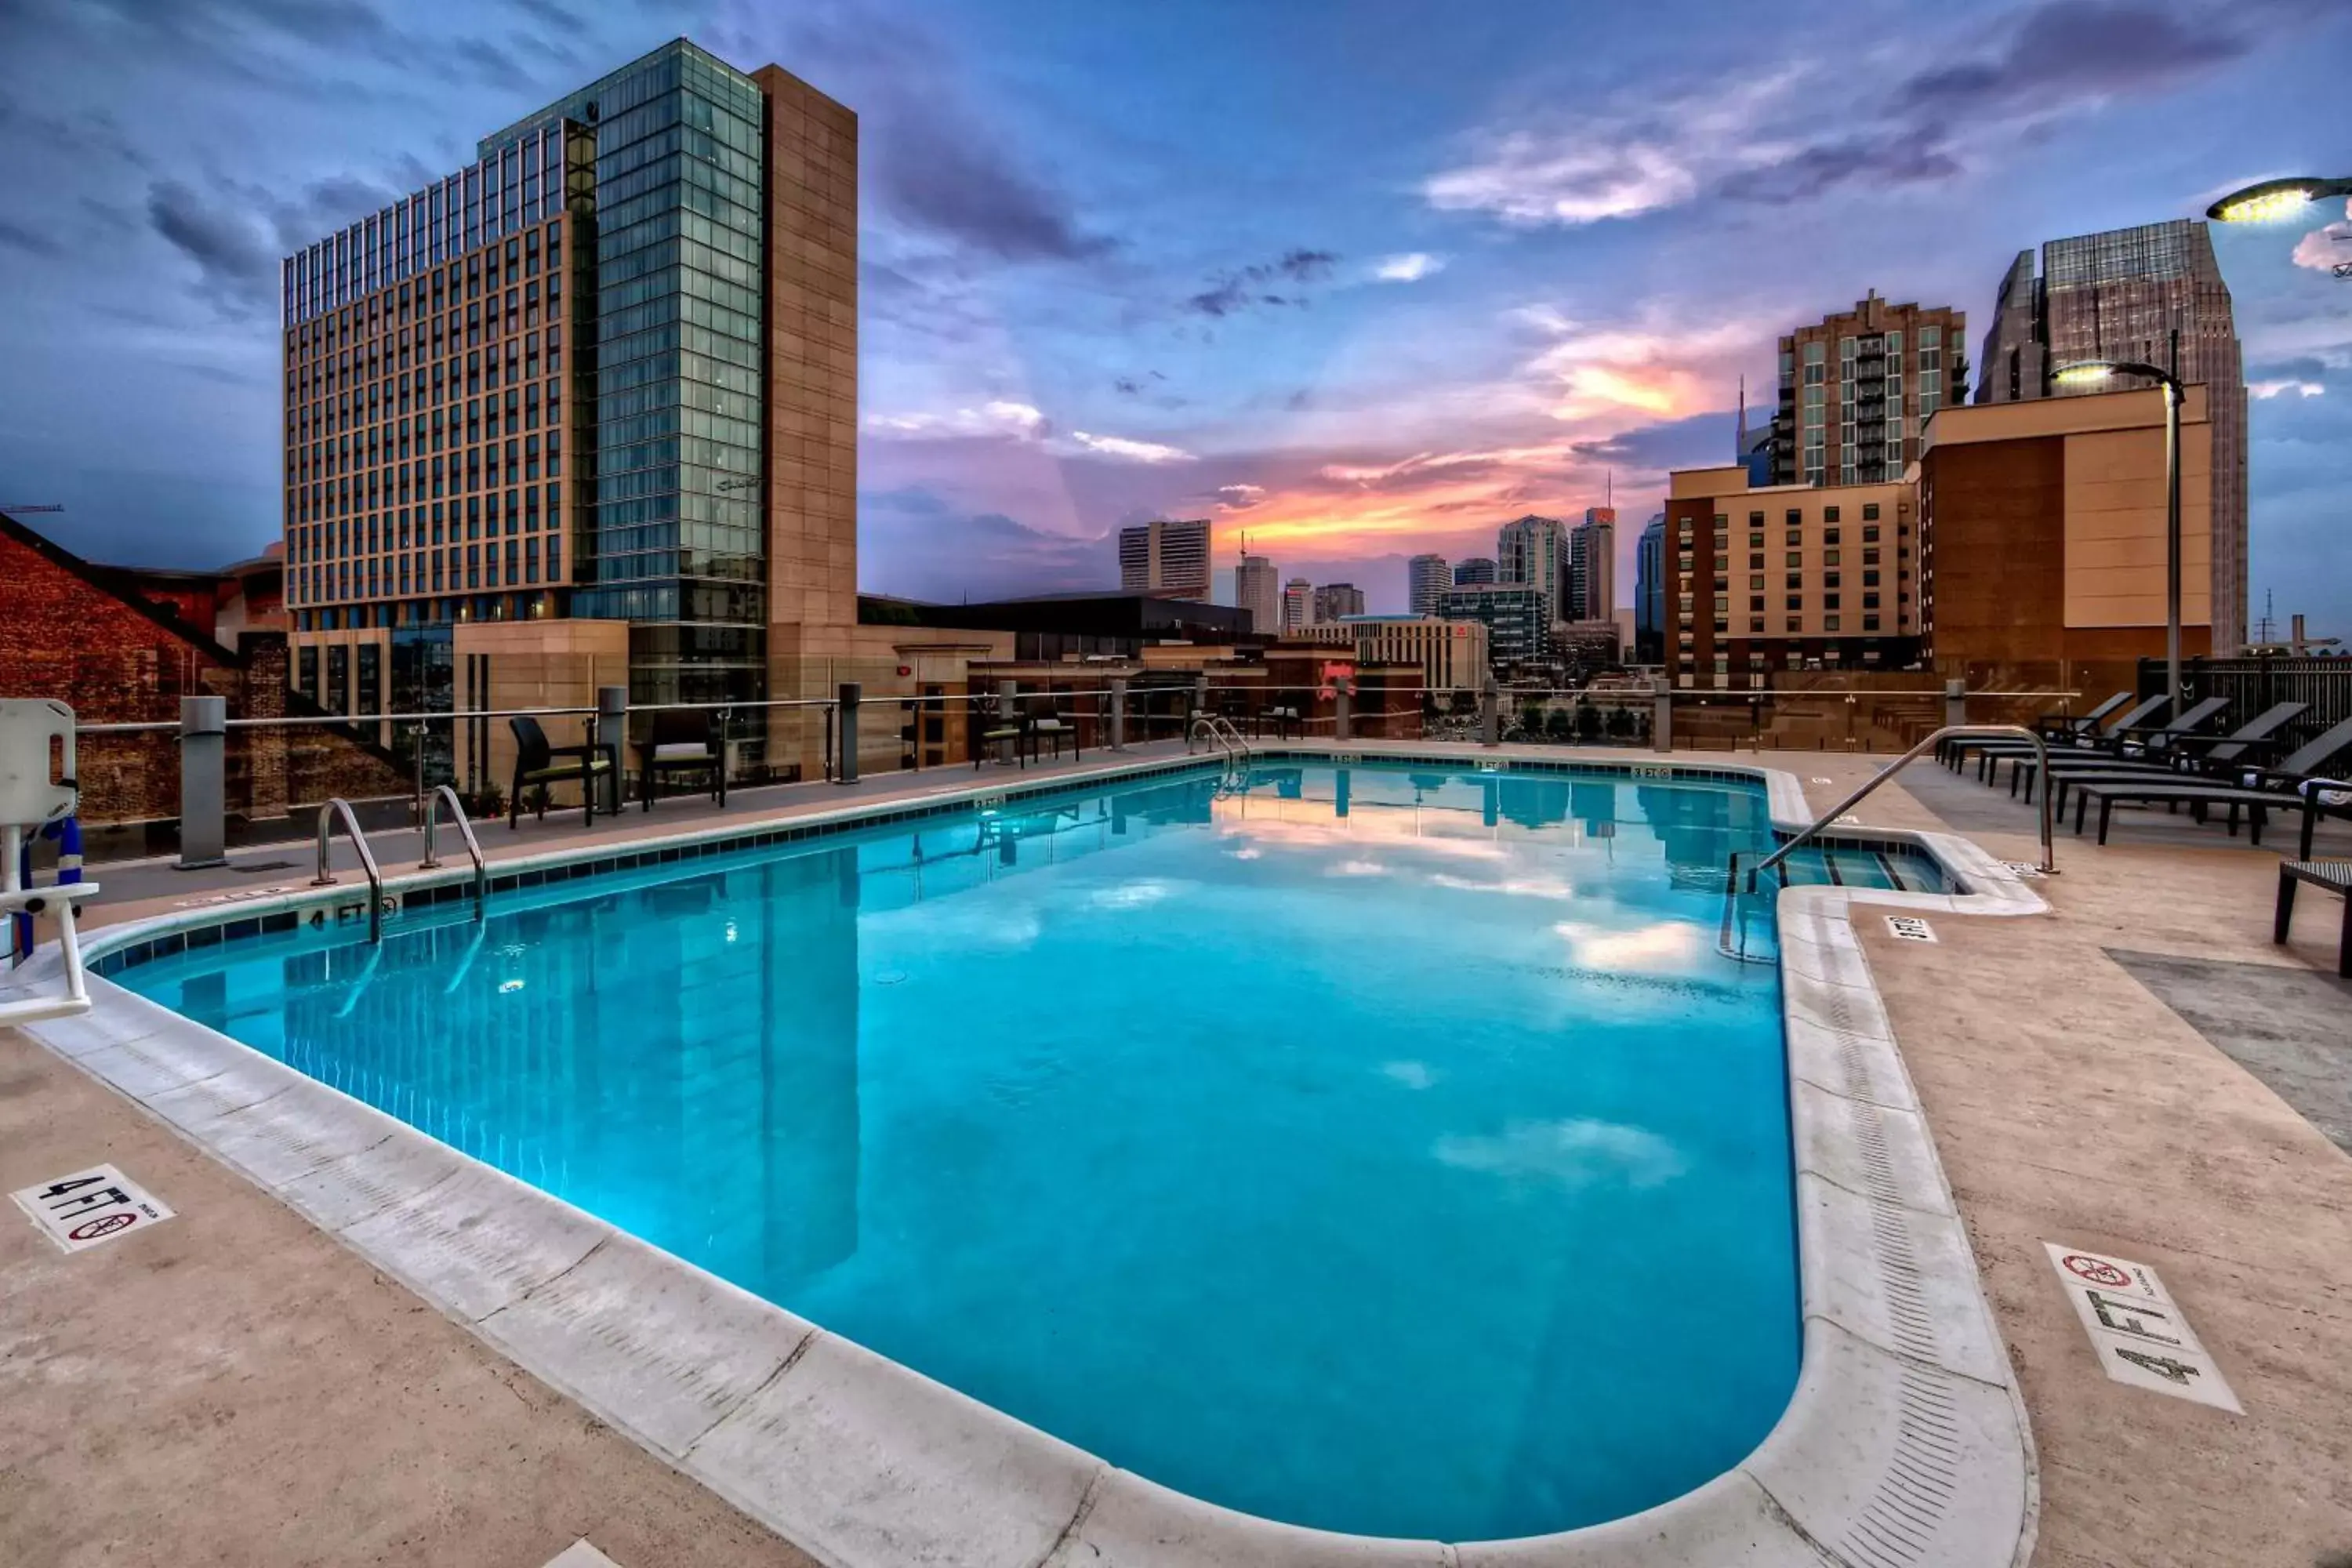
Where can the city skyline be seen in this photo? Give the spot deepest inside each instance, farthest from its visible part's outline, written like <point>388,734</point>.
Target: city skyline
<point>1416,326</point>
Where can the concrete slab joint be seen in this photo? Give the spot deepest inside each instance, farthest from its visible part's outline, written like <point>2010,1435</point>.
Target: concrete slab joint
<point>1903,1444</point>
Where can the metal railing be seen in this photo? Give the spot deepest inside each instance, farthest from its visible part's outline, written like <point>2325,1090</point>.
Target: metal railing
<point>1829,818</point>
<point>339,806</point>
<point>1221,730</point>
<point>473,845</point>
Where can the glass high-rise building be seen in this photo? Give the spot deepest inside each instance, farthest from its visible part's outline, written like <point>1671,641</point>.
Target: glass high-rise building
<point>2122,295</point>
<point>1426,579</point>
<point>1650,591</point>
<point>603,377</point>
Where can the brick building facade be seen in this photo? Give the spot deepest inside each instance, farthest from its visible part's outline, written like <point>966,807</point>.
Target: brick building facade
<point>87,634</point>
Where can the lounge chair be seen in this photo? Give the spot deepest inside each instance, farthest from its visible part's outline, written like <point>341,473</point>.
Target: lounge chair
<point>2332,875</point>
<point>2220,750</point>
<point>683,741</point>
<point>2051,726</point>
<point>2124,742</point>
<point>1989,750</point>
<point>2287,791</point>
<point>537,764</point>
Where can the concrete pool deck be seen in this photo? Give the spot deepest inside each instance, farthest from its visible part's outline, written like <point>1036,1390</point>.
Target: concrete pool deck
<point>2032,1312</point>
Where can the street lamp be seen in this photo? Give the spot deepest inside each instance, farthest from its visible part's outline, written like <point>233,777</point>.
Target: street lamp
<point>2092,372</point>
<point>2274,199</point>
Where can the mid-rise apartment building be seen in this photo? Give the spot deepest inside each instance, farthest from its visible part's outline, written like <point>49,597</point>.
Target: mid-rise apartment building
<point>1426,577</point>
<point>1451,654</point>
<point>1856,388</point>
<point>602,381</point>
<point>1168,560</point>
<point>2122,294</point>
<point>1786,576</point>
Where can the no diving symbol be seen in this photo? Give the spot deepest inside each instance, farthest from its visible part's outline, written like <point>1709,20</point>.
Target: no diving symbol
<point>106,1224</point>
<point>2097,1270</point>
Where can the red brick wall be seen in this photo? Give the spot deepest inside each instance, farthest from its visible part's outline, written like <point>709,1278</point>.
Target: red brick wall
<point>63,636</point>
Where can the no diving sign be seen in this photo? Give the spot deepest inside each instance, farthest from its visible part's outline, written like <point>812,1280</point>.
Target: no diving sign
<point>2136,1330</point>
<point>91,1207</point>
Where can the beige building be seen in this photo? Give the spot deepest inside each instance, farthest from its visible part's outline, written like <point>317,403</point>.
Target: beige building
<point>1786,576</point>
<point>1451,655</point>
<point>2042,536</point>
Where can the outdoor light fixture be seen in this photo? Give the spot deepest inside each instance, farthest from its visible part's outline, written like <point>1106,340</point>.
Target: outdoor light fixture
<point>2088,372</point>
<point>2274,199</point>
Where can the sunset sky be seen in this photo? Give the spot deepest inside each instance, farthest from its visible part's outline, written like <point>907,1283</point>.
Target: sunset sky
<point>1362,278</point>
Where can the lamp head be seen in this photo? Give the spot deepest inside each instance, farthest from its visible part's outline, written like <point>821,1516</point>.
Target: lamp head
<point>2266,203</point>
<point>2086,374</point>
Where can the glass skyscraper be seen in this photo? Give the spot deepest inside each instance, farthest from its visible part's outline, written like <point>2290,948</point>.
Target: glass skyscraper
<point>652,279</point>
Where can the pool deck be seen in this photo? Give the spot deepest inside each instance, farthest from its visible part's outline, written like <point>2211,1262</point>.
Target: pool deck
<point>241,1388</point>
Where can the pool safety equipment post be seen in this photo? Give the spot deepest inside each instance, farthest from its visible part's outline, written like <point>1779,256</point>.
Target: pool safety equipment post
<point>1490,713</point>
<point>611,732</point>
<point>1343,691</point>
<point>1662,714</point>
<point>1119,714</point>
<point>851,692</point>
<point>204,775</point>
<point>1956,703</point>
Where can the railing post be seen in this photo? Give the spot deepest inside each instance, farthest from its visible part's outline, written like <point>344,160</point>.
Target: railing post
<point>1662,714</point>
<point>1343,727</point>
<point>1008,713</point>
<point>851,692</point>
<point>204,783</point>
<point>1119,714</point>
<point>613,730</point>
<point>1956,703</point>
<point>1490,713</point>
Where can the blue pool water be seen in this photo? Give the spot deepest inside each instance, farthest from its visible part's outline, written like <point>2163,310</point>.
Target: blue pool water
<point>1386,1150</point>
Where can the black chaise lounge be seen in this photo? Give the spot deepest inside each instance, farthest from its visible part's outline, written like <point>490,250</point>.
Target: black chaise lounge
<point>1987,752</point>
<point>536,763</point>
<point>2335,876</point>
<point>2295,771</point>
<point>2051,726</point>
<point>2179,756</point>
<point>2222,754</point>
<point>2127,743</point>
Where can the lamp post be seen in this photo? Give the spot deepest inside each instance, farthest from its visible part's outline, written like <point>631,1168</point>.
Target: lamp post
<point>2091,371</point>
<point>2275,199</point>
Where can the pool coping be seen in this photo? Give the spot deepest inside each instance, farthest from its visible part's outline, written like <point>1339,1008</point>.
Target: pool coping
<point>1903,1442</point>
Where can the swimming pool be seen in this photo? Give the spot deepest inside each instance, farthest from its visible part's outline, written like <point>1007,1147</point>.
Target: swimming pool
<point>1385,1150</point>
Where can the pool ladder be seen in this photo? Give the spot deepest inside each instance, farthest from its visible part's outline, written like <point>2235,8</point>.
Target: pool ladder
<point>337,807</point>
<point>1220,730</point>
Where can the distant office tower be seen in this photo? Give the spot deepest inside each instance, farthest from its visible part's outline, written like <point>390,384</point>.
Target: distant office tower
<point>1477,569</point>
<point>1650,591</point>
<point>1533,551</point>
<point>1426,577</point>
<point>1257,589</point>
<point>1518,618</point>
<point>1337,601</point>
<point>2120,296</point>
<point>1298,604</point>
<point>1856,390</point>
<point>671,312</point>
<point>1167,560</point>
<point>1591,593</point>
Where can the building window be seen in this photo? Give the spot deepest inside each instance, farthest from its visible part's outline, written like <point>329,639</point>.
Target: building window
<point>1793,626</point>
<point>1756,625</point>
<point>1869,511</point>
<point>1829,624</point>
<point>1829,557</point>
<point>1756,581</point>
<point>1796,601</point>
<point>1869,623</point>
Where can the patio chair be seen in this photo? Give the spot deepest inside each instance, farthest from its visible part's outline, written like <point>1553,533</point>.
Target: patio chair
<point>2257,791</point>
<point>1013,728</point>
<point>2335,876</point>
<point>683,741</point>
<point>1053,727</point>
<point>539,763</point>
<point>2221,752</point>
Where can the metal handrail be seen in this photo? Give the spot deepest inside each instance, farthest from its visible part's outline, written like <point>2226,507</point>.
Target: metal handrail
<point>2041,753</point>
<point>337,806</point>
<point>1228,739</point>
<point>473,845</point>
